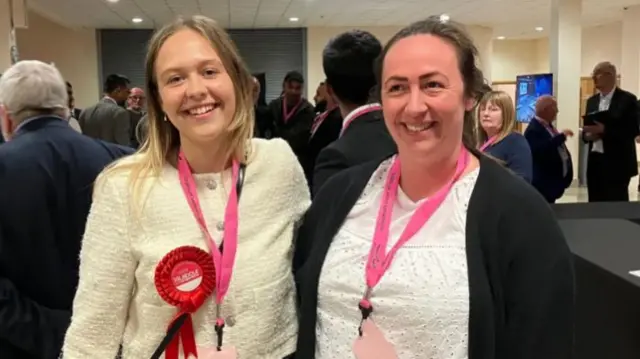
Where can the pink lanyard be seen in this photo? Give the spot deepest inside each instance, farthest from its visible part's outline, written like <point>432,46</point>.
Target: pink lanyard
<point>319,119</point>
<point>379,262</point>
<point>286,116</point>
<point>360,112</point>
<point>488,143</point>
<point>222,260</point>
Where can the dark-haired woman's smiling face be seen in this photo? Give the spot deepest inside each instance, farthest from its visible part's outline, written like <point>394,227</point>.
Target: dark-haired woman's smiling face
<point>423,95</point>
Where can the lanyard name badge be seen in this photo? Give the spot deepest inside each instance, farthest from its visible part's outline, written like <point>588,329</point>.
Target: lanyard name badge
<point>223,258</point>
<point>379,260</point>
<point>286,115</point>
<point>358,113</point>
<point>488,143</point>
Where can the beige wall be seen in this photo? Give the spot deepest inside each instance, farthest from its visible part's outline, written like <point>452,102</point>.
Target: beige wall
<point>73,51</point>
<point>510,58</point>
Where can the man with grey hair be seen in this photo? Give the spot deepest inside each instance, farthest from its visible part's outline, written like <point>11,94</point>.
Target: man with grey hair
<point>47,170</point>
<point>612,157</point>
<point>552,165</point>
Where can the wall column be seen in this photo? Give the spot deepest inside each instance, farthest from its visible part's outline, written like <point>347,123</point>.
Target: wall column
<point>5,32</point>
<point>565,56</point>
<point>483,39</point>
<point>629,69</point>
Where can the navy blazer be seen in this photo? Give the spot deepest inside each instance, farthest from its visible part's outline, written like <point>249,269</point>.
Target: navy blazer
<point>47,173</point>
<point>548,176</point>
<point>514,151</point>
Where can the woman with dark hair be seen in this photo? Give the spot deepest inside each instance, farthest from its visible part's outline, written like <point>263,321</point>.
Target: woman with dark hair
<point>436,252</point>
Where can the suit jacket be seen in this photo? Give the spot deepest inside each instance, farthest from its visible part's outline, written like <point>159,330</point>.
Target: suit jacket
<point>134,120</point>
<point>297,129</point>
<point>548,176</point>
<point>327,132</point>
<point>107,121</point>
<point>46,175</point>
<point>264,125</point>
<point>618,139</point>
<point>76,113</point>
<point>365,139</point>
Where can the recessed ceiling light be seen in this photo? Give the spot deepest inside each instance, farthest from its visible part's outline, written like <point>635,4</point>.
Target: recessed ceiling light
<point>137,20</point>
<point>501,37</point>
<point>444,17</point>
<point>113,1</point>
<point>539,28</point>
<point>294,19</point>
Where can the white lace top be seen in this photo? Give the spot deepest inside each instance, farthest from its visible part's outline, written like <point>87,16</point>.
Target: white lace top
<point>422,302</point>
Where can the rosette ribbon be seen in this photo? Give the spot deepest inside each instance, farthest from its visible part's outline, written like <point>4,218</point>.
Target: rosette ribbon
<point>202,272</point>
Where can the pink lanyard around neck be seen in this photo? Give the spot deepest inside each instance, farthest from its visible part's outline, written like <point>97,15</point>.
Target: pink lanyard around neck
<point>286,116</point>
<point>222,260</point>
<point>319,119</point>
<point>358,113</point>
<point>488,143</point>
<point>379,260</point>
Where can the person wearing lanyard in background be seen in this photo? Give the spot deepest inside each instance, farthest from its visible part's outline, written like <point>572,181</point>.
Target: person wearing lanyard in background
<point>292,114</point>
<point>153,256</point>
<point>444,252</point>
<point>325,129</point>
<point>498,137</point>
<point>348,61</point>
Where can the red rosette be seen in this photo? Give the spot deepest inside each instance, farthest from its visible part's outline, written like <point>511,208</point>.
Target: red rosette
<point>185,278</point>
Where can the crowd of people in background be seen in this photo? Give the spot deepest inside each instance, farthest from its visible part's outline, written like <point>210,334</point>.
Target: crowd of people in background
<point>285,211</point>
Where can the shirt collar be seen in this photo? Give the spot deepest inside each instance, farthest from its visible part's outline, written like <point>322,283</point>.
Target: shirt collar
<point>607,96</point>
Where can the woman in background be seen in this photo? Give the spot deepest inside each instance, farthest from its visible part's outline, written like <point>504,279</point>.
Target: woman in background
<point>498,137</point>
<point>159,216</point>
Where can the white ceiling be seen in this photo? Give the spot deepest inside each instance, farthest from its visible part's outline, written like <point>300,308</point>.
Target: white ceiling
<point>510,18</point>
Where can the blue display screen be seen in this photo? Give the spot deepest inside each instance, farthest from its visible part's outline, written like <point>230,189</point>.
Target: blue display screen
<point>528,89</point>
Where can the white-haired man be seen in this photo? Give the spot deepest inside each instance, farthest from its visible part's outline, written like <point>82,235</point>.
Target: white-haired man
<point>46,174</point>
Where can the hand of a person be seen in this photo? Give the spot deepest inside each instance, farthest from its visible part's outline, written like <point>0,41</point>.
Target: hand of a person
<point>567,132</point>
<point>596,129</point>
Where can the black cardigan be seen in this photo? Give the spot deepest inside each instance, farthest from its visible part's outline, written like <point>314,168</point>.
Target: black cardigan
<point>520,269</point>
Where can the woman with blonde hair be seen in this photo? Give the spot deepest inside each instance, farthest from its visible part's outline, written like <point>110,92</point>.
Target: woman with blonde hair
<point>188,244</point>
<point>497,134</point>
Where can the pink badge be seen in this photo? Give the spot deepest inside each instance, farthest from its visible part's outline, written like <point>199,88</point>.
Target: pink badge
<point>372,344</point>
<point>213,353</point>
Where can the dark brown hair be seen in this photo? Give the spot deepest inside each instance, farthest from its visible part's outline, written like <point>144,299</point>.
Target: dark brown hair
<point>467,52</point>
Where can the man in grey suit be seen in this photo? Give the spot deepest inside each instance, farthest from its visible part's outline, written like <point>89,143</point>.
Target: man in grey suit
<point>108,120</point>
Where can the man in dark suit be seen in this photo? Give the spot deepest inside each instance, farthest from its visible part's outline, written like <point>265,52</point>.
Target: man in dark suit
<point>292,114</point>
<point>108,120</point>
<point>47,171</point>
<point>348,62</point>
<point>612,157</point>
<point>552,166</point>
<point>325,129</point>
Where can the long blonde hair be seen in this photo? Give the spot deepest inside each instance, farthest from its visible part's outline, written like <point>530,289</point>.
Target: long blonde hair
<point>163,140</point>
<point>504,102</point>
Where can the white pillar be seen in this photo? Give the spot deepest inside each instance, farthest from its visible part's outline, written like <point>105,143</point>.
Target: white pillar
<point>565,56</point>
<point>629,69</point>
<point>483,39</point>
<point>5,31</point>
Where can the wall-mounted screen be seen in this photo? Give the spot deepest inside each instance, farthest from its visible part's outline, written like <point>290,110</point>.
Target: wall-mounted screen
<point>528,89</point>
